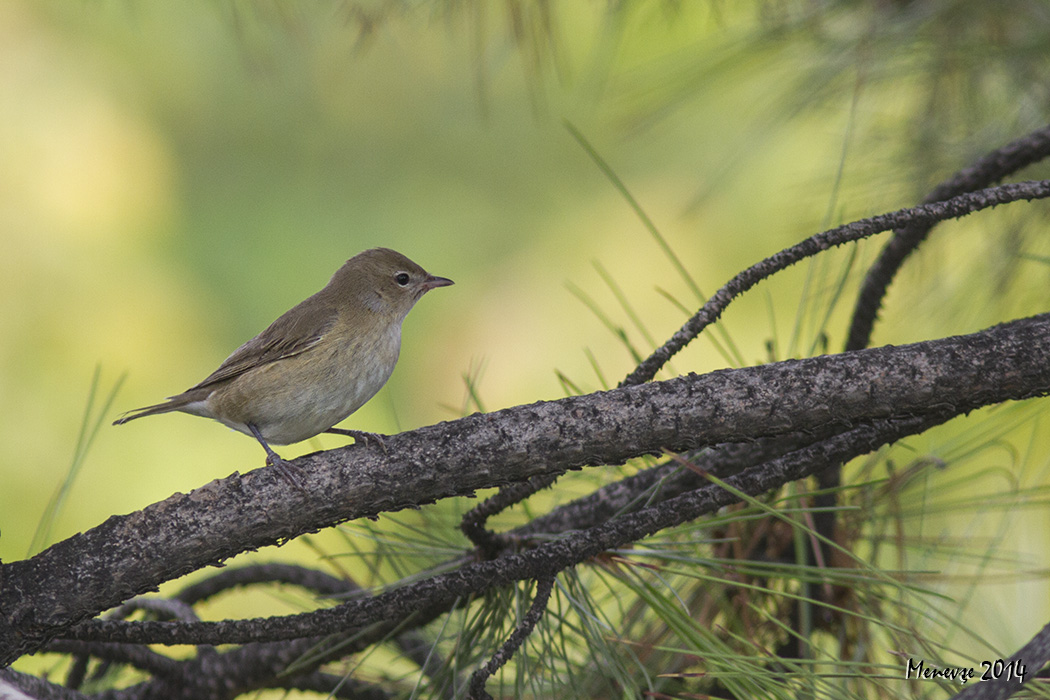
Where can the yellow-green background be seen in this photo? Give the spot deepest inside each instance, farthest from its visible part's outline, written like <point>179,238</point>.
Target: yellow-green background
<point>173,176</point>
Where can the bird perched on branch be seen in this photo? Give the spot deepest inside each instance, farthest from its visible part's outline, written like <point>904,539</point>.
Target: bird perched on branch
<point>316,364</point>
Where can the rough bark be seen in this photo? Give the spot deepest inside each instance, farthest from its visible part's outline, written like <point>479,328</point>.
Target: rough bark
<point>131,554</point>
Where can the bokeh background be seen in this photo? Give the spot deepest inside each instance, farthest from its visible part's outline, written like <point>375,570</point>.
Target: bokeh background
<point>176,175</point>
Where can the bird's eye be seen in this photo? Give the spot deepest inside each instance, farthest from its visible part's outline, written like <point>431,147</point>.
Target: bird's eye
<point>402,278</point>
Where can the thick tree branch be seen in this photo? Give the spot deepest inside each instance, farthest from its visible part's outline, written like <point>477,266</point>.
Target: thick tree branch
<point>130,554</point>
<point>442,592</point>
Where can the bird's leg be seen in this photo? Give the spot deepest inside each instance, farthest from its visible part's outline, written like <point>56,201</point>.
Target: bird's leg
<point>360,436</point>
<point>288,471</point>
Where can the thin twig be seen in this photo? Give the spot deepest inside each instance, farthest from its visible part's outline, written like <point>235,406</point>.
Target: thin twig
<point>141,657</point>
<point>473,524</point>
<point>544,586</point>
<point>921,215</point>
<point>317,582</point>
<point>988,170</point>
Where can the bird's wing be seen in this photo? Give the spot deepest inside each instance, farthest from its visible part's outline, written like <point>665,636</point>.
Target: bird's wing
<point>295,332</point>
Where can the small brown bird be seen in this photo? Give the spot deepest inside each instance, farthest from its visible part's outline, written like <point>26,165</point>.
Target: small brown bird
<point>317,363</point>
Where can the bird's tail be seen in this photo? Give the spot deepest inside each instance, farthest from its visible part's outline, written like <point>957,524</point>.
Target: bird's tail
<point>175,403</point>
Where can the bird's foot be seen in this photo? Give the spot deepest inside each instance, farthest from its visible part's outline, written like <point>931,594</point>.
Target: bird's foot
<point>288,471</point>
<point>360,436</point>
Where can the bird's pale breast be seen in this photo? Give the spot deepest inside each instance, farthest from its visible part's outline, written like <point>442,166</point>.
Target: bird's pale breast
<point>298,397</point>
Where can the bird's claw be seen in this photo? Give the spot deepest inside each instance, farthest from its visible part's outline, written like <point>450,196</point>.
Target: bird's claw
<point>361,436</point>
<point>288,471</point>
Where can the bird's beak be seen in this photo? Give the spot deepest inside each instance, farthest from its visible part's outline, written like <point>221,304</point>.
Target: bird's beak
<point>432,282</point>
